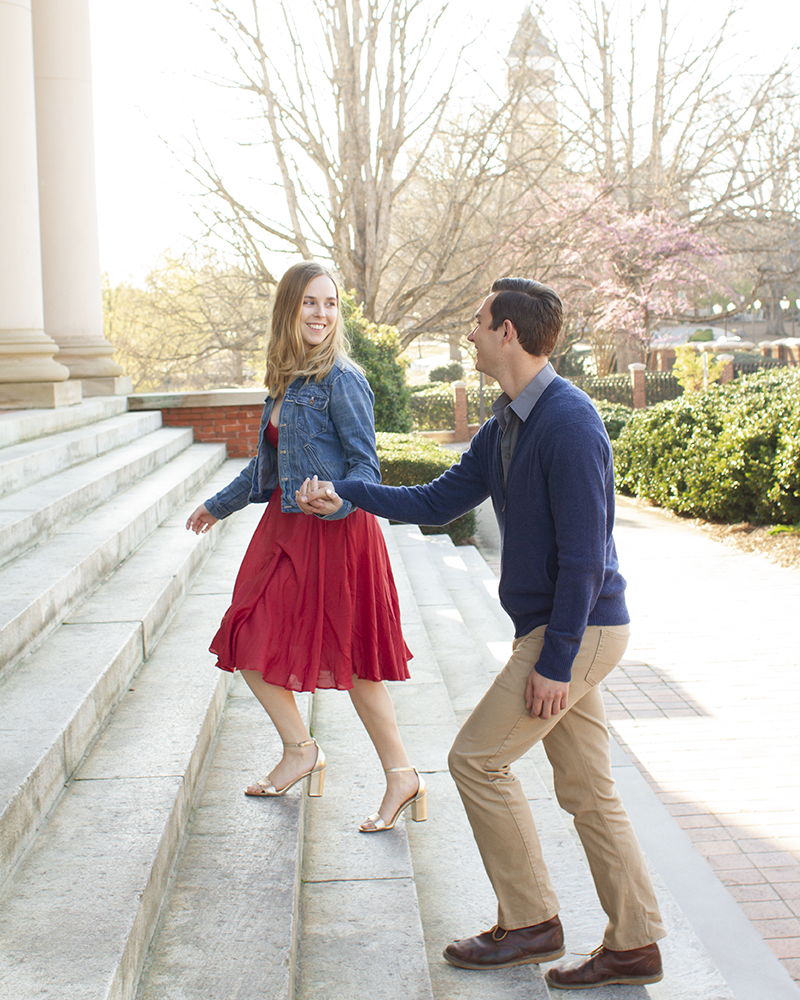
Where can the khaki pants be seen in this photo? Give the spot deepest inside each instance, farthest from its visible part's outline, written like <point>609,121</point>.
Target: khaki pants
<point>499,732</point>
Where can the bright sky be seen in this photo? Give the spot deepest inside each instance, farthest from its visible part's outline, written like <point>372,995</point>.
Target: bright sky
<point>149,59</point>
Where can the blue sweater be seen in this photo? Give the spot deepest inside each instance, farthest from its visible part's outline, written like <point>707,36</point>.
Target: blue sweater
<point>556,514</point>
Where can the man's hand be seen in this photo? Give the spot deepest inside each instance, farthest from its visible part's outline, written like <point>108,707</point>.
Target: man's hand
<point>315,497</point>
<point>545,698</point>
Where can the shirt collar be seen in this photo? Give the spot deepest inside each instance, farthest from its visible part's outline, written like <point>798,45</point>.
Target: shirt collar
<point>526,400</point>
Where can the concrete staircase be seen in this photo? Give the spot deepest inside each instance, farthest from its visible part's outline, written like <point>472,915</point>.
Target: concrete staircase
<point>133,866</point>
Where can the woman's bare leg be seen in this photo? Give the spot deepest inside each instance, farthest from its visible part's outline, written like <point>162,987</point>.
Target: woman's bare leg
<point>374,705</point>
<point>281,707</point>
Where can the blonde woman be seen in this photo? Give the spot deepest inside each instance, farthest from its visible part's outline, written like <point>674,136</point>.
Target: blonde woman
<point>314,604</point>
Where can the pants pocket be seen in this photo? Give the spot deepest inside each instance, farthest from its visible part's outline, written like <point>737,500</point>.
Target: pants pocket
<point>611,646</point>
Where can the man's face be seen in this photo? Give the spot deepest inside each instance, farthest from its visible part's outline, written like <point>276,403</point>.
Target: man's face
<point>486,340</point>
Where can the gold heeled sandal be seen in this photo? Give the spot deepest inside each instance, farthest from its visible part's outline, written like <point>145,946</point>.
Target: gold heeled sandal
<point>418,803</point>
<point>316,776</point>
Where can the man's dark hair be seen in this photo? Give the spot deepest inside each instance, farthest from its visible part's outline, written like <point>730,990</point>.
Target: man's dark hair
<point>533,308</point>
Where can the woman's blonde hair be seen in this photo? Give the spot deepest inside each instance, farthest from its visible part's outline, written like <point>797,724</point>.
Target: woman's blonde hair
<point>288,355</point>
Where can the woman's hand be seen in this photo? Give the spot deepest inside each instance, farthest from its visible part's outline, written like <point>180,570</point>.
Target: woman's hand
<point>200,521</point>
<point>315,497</point>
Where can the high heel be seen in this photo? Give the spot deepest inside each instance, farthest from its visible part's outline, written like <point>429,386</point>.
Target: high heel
<point>316,776</point>
<point>418,802</point>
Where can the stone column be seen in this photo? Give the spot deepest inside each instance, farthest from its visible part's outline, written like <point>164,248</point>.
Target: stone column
<point>28,374</point>
<point>638,384</point>
<point>727,374</point>
<point>73,308</point>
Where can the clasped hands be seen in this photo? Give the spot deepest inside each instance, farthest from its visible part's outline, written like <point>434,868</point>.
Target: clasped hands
<point>317,497</point>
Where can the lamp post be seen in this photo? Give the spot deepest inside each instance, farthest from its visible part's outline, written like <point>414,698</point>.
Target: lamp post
<point>784,304</point>
<point>755,308</point>
<point>730,309</point>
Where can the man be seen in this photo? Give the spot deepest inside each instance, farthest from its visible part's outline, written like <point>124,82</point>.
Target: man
<point>546,462</point>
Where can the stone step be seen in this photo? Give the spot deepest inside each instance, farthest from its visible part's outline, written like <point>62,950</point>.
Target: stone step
<point>454,894</point>
<point>25,425</point>
<point>79,912</point>
<point>40,589</point>
<point>450,640</point>
<point>472,587</point>
<point>29,462</point>
<point>34,513</point>
<point>60,697</point>
<point>440,875</point>
<point>229,925</point>
<point>239,896</point>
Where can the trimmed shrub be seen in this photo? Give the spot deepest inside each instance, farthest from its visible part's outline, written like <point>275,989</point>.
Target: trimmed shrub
<point>447,373</point>
<point>730,454</point>
<point>432,406</point>
<point>618,389</point>
<point>377,349</point>
<point>613,415</point>
<point>409,460</point>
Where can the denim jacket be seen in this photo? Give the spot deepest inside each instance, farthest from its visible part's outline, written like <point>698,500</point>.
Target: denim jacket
<point>327,429</point>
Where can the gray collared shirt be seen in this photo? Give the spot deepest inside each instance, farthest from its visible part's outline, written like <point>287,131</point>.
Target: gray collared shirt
<point>509,413</point>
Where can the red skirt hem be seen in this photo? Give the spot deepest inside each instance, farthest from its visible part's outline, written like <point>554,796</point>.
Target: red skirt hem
<point>314,604</point>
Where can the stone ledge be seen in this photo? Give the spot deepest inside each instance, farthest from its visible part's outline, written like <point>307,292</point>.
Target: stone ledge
<point>180,400</point>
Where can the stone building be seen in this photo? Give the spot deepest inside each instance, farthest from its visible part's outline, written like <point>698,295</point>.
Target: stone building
<point>52,347</point>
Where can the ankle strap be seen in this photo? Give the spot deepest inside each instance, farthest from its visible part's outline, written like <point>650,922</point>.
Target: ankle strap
<point>394,770</point>
<point>305,743</point>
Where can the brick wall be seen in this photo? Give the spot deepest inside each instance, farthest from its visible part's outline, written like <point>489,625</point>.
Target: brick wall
<point>229,415</point>
<point>237,426</point>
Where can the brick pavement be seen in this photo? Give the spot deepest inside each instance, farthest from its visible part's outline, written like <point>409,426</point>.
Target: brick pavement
<point>705,704</point>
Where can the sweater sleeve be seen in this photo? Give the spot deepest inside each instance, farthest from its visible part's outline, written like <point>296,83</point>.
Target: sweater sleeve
<point>579,471</point>
<point>449,496</point>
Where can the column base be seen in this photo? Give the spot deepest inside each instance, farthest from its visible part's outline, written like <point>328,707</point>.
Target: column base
<point>120,385</point>
<point>39,395</point>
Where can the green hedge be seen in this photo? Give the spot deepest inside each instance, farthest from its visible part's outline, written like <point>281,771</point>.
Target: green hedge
<point>432,405</point>
<point>729,454</point>
<point>377,349</point>
<point>432,408</point>
<point>613,415</point>
<point>618,389</point>
<point>408,460</point>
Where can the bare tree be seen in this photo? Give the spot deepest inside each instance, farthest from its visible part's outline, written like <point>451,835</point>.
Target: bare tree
<point>667,122</point>
<point>196,324</point>
<point>375,160</point>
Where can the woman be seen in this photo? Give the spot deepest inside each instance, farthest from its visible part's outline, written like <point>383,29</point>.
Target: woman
<point>314,604</point>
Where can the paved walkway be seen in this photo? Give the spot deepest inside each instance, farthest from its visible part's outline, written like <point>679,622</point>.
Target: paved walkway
<point>705,703</point>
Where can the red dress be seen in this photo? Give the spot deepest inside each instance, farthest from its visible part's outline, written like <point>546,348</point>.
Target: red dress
<point>314,603</point>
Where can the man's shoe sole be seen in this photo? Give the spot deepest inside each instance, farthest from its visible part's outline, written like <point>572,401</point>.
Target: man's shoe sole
<point>618,981</point>
<point>549,956</point>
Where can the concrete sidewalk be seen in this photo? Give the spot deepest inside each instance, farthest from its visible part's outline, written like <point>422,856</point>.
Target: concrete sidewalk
<point>704,705</point>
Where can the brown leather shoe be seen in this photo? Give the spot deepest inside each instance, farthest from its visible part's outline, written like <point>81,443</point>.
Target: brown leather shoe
<point>636,967</point>
<point>498,949</point>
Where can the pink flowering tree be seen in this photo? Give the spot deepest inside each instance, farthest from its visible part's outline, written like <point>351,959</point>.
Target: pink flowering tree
<point>619,272</point>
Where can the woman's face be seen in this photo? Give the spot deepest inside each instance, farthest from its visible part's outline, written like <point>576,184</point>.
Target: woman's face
<point>319,311</point>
